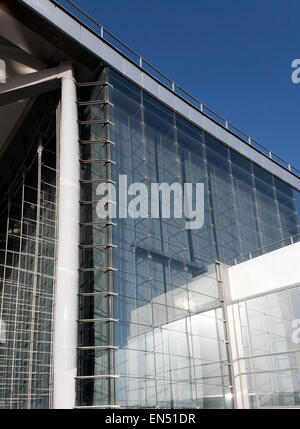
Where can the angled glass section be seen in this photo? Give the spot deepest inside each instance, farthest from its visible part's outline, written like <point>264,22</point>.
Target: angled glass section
<point>28,228</point>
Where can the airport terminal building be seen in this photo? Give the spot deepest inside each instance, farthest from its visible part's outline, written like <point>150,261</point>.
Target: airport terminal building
<point>124,311</point>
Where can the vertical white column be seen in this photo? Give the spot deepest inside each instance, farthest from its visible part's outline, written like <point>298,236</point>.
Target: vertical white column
<point>67,283</point>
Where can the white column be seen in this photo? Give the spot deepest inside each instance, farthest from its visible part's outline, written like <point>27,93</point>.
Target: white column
<point>67,285</point>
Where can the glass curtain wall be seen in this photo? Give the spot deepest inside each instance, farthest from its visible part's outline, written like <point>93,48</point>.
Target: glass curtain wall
<point>151,330</point>
<point>27,274</point>
<point>271,352</point>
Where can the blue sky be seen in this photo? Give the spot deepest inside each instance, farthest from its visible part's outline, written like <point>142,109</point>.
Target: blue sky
<point>233,55</point>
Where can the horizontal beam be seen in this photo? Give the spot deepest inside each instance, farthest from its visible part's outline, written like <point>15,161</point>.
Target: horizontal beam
<point>31,85</point>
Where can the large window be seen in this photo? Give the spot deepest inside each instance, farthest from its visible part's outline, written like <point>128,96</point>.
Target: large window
<point>269,359</point>
<point>151,325</point>
<point>27,267</point>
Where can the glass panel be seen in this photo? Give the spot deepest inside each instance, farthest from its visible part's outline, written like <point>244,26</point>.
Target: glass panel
<point>268,331</point>
<point>27,266</point>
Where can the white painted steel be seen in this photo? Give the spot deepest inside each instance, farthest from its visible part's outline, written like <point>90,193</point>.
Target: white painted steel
<point>66,301</point>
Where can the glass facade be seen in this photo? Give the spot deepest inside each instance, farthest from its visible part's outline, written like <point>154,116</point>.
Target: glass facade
<point>151,329</point>
<point>270,357</point>
<point>27,272</point>
<point>152,325</point>
<point>157,326</point>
